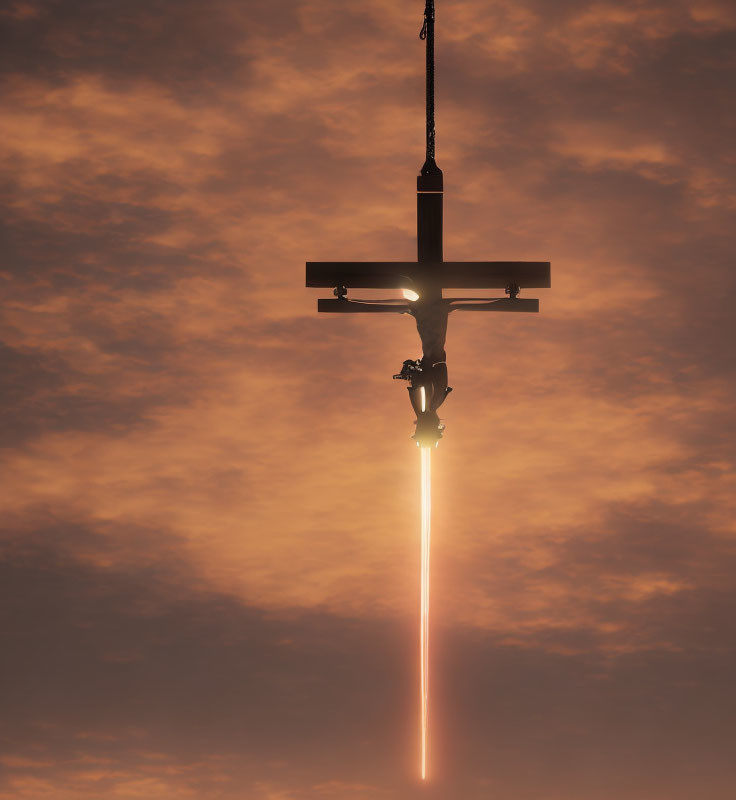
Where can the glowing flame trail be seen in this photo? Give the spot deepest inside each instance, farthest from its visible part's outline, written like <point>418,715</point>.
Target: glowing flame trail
<point>424,605</point>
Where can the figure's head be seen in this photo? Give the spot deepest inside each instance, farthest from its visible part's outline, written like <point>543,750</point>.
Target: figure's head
<point>428,429</point>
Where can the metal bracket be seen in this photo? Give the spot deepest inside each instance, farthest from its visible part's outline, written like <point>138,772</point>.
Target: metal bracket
<point>512,290</point>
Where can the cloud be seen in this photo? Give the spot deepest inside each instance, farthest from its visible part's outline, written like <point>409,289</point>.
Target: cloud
<point>137,679</point>
<point>210,556</point>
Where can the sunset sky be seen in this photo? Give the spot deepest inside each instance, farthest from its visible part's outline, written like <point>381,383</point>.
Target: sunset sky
<point>209,565</point>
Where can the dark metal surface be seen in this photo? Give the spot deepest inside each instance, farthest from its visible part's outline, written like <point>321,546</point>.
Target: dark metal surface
<point>409,274</point>
<point>429,227</point>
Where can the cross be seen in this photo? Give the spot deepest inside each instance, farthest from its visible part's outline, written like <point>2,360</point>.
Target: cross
<point>425,279</point>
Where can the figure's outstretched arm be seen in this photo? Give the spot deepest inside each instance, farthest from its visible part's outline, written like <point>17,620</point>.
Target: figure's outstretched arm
<point>344,306</point>
<point>493,304</point>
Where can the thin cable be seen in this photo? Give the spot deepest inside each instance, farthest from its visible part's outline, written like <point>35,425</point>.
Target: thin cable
<point>427,33</point>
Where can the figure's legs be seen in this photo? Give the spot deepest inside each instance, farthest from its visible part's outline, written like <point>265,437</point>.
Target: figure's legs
<point>436,382</point>
<point>420,397</point>
<point>427,391</point>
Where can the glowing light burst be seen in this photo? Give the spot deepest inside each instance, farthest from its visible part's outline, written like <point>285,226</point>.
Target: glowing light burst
<point>426,455</point>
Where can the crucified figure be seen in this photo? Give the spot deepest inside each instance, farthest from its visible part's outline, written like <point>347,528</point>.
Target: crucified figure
<point>427,376</point>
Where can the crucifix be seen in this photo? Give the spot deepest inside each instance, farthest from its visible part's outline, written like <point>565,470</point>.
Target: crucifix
<point>424,280</point>
<point>422,283</point>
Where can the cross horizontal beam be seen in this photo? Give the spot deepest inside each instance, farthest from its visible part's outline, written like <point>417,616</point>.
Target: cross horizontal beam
<point>448,274</point>
<point>343,306</point>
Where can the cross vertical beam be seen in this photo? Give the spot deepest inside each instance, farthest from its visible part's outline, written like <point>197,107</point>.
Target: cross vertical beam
<point>430,196</point>
<point>430,187</point>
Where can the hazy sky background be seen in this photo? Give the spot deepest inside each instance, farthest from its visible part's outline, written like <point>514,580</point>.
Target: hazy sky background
<point>209,564</point>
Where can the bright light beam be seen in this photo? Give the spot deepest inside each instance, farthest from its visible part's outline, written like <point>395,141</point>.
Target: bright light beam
<point>424,602</point>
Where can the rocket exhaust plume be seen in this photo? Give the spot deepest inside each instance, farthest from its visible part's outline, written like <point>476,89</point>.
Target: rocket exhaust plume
<point>426,455</point>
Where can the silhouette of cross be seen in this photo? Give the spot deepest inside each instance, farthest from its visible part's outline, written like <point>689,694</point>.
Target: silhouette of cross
<point>430,273</point>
